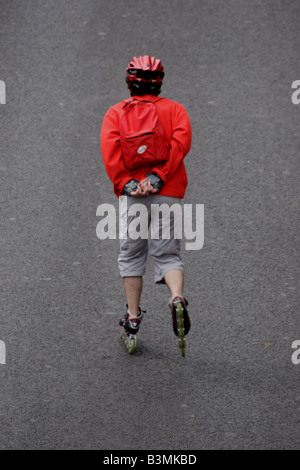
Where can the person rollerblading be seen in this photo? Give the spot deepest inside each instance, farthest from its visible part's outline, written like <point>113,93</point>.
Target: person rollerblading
<point>144,142</point>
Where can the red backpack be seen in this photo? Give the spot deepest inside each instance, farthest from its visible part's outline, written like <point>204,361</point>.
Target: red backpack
<point>142,138</point>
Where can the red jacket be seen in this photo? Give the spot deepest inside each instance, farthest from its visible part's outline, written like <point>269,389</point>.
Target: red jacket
<point>177,127</point>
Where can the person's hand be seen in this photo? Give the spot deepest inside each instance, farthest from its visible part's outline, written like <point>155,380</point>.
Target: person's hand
<point>144,189</point>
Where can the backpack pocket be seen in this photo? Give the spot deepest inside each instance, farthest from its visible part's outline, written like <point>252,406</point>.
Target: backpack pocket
<point>145,150</point>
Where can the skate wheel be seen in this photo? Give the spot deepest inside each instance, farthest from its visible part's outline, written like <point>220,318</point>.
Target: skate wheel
<point>131,345</point>
<point>180,329</point>
<point>129,341</point>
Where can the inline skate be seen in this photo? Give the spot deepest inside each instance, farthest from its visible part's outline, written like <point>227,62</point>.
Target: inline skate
<point>130,325</point>
<point>181,321</point>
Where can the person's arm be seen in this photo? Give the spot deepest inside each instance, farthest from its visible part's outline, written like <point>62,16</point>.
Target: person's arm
<point>111,151</point>
<point>179,146</point>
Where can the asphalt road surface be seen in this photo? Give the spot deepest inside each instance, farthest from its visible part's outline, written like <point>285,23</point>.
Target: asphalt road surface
<point>67,381</point>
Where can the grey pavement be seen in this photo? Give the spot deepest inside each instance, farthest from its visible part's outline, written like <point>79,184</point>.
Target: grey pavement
<point>67,382</point>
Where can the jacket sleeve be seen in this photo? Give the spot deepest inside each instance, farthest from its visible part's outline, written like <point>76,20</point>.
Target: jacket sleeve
<point>111,150</point>
<point>180,144</point>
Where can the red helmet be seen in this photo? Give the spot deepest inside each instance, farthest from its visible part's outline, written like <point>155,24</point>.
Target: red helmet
<point>145,69</point>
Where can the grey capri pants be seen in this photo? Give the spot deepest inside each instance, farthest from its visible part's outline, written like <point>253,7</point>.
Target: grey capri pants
<point>148,224</point>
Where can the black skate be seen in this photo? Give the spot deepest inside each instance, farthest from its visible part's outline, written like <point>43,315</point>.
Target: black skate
<point>130,325</point>
<point>181,321</point>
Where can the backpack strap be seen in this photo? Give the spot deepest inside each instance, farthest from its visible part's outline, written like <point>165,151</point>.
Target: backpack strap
<point>126,102</point>
<point>129,100</point>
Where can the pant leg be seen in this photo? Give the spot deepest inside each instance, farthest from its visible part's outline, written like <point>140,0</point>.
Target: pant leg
<point>166,251</point>
<point>133,251</point>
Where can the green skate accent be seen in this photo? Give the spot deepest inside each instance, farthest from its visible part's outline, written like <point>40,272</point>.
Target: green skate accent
<point>129,341</point>
<point>180,329</point>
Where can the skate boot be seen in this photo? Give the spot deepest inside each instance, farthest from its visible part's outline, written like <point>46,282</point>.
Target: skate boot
<point>130,325</point>
<point>181,321</point>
